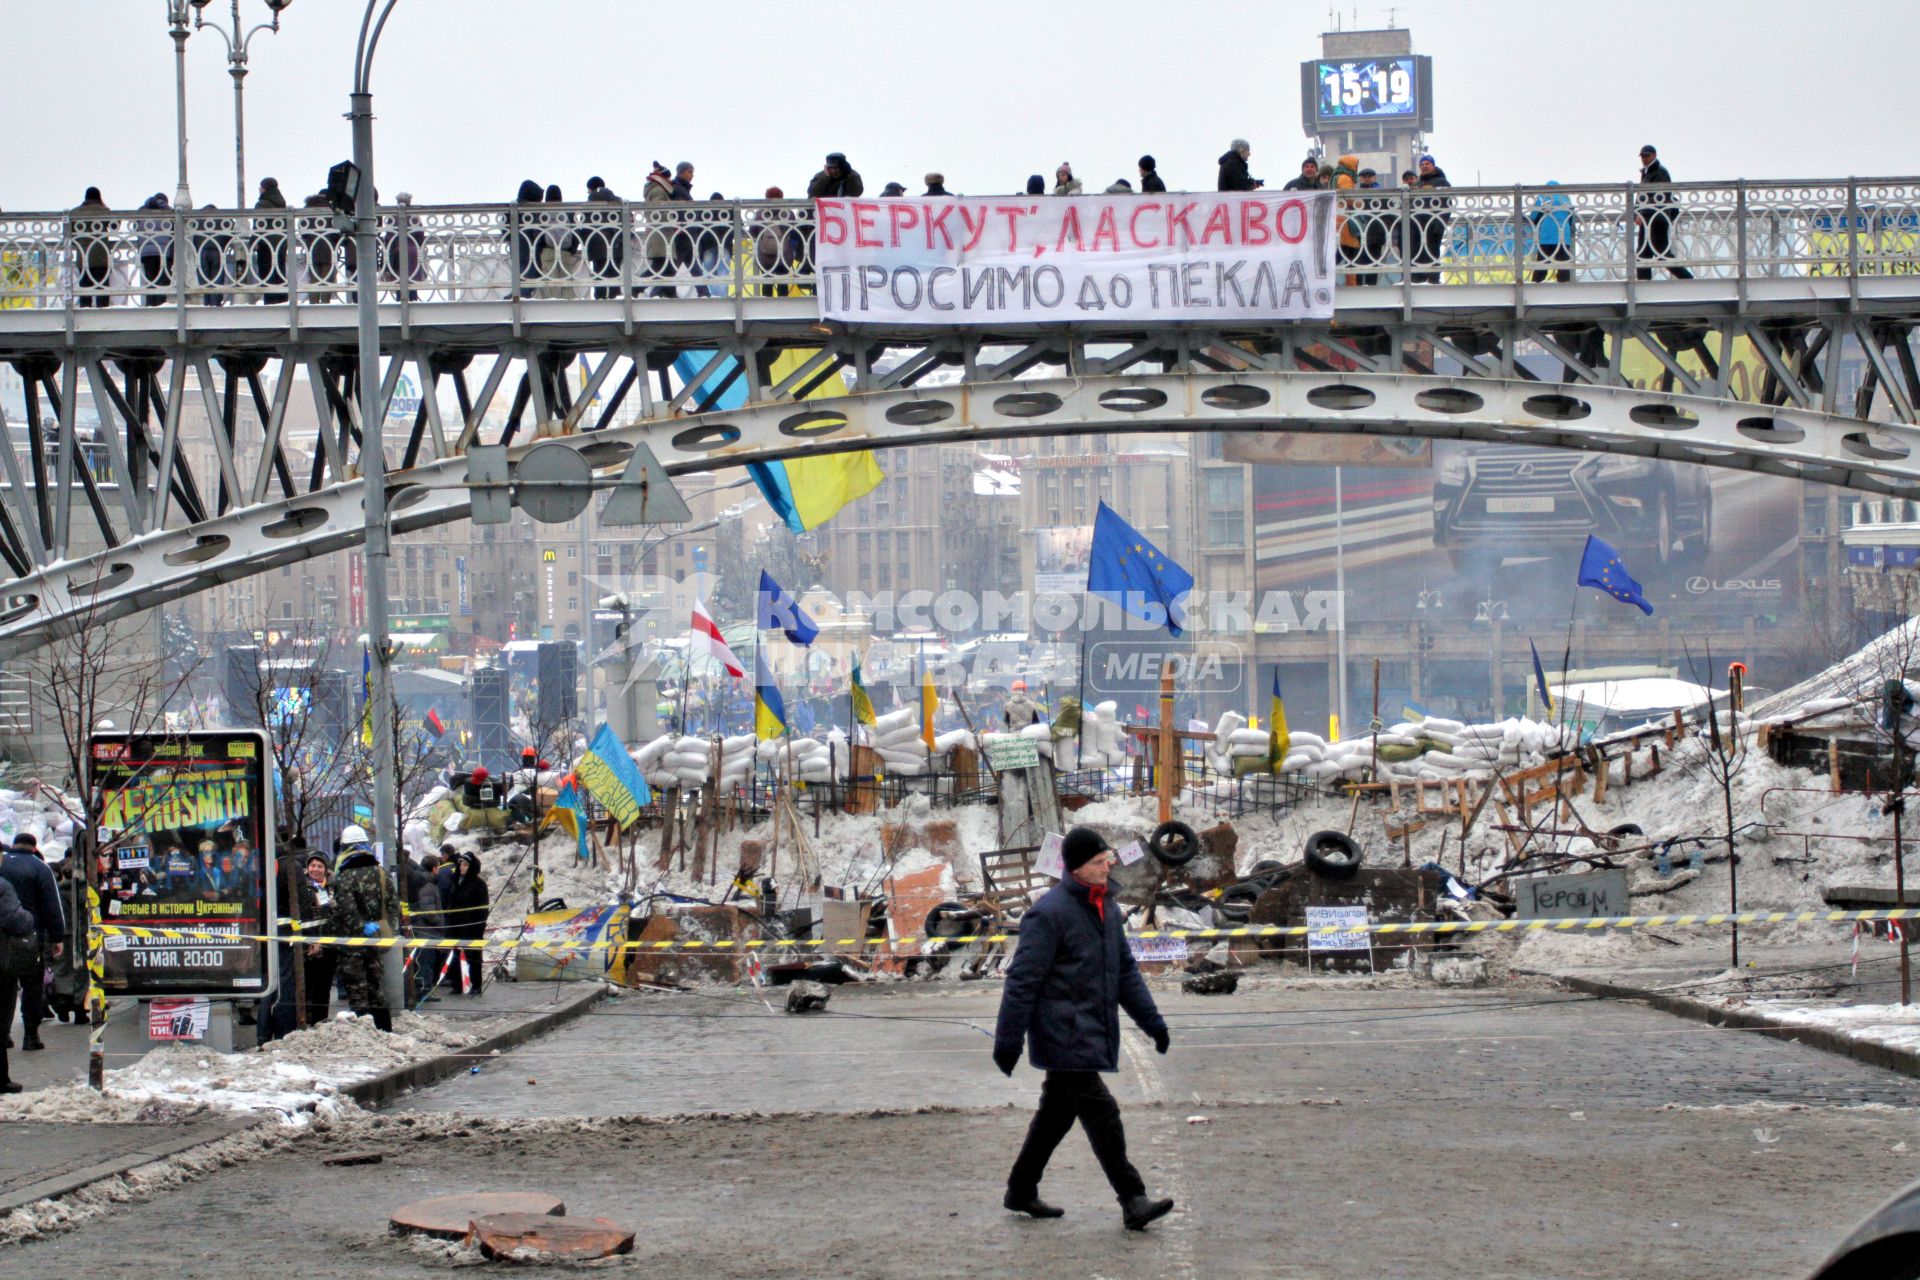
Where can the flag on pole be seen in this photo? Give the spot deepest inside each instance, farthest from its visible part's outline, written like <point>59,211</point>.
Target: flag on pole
<point>778,611</point>
<point>708,640</point>
<point>1540,679</point>
<point>366,697</point>
<point>929,700</point>
<point>569,813</point>
<point>1600,567</point>
<point>610,776</point>
<point>1133,573</point>
<point>862,704</point>
<point>769,710</point>
<point>435,725</point>
<point>1277,737</point>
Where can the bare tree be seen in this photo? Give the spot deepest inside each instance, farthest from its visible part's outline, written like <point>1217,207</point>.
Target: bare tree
<point>94,672</point>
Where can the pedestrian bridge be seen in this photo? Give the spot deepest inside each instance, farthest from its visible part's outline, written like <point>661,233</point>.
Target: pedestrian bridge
<point>692,328</point>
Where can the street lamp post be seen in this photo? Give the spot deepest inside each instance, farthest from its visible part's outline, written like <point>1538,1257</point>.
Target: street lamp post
<point>237,43</point>
<point>1493,613</point>
<point>178,29</point>
<point>373,464</point>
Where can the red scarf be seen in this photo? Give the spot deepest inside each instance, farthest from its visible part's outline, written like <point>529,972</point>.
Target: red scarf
<point>1097,895</point>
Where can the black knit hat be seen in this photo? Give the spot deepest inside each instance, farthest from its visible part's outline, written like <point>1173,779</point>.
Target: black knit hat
<point>1081,846</point>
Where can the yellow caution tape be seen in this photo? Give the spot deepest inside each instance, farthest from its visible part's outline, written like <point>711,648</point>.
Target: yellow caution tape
<point>1574,925</point>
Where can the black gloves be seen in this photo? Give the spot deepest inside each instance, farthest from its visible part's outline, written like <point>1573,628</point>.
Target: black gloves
<point>1161,1040</point>
<point>1005,1059</point>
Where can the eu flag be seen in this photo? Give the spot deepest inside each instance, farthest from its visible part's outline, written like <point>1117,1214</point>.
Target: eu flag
<point>1130,571</point>
<point>1600,567</point>
<point>778,611</point>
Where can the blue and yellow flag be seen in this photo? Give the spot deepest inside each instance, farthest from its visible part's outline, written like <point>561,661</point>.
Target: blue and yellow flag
<point>610,776</point>
<point>806,491</point>
<point>1277,737</point>
<point>862,704</point>
<point>569,812</point>
<point>366,697</point>
<point>769,710</point>
<point>1133,573</point>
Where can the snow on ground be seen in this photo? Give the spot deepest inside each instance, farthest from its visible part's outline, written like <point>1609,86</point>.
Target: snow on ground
<point>1893,1025</point>
<point>294,1079</point>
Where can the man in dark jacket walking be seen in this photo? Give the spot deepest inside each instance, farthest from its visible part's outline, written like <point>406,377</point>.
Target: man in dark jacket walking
<point>1071,974</point>
<point>1150,180</point>
<point>1653,217</point>
<point>33,882</point>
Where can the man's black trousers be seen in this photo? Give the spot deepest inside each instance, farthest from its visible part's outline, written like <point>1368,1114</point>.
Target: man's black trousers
<point>1067,1096</point>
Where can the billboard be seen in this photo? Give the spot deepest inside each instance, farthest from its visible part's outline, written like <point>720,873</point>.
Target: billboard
<point>1061,555</point>
<point>1432,554</point>
<point>186,831</point>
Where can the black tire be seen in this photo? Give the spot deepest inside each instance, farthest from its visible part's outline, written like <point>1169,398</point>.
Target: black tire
<point>1173,844</point>
<point>1265,867</point>
<point>1626,829</point>
<point>952,920</point>
<point>1247,891</point>
<point>1332,855</point>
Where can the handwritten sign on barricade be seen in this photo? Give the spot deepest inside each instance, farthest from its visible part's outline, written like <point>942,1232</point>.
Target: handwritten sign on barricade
<point>980,260</point>
<point>1582,896</point>
<point>1350,923</point>
<point>1006,751</point>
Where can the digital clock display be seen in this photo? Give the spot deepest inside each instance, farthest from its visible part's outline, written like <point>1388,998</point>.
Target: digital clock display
<point>1368,89</point>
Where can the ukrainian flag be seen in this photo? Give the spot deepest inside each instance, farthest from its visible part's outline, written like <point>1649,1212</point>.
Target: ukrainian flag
<point>769,710</point>
<point>1277,737</point>
<point>862,704</point>
<point>804,492</point>
<point>569,812</point>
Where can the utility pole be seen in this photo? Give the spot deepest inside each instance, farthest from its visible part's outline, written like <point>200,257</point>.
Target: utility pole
<point>373,468</point>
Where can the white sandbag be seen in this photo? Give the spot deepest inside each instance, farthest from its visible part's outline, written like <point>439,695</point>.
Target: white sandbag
<point>651,754</point>
<point>690,777</point>
<point>1300,738</point>
<point>737,743</point>
<point>1438,724</point>
<point>1246,750</point>
<point>1322,770</point>
<point>1240,736</point>
<point>802,747</point>
<point>891,721</point>
<point>1041,732</point>
<point>906,768</point>
<point>953,738</point>
<point>1229,723</point>
<point>690,742</point>
<point>686,760</point>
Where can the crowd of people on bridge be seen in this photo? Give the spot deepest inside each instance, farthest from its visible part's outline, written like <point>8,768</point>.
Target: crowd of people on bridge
<point>568,251</point>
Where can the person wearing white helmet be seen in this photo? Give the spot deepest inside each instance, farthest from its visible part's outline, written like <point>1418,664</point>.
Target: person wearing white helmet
<point>364,906</point>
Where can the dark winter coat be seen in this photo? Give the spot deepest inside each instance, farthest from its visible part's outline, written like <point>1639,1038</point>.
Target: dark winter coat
<point>33,881</point>
<point>1150,183</point>
<point>823,185</point>
<point>1070,976</point>
<point>15,920</point>
<point>1233,173</point>
<point>1654,174</point>
<point>467,904</point>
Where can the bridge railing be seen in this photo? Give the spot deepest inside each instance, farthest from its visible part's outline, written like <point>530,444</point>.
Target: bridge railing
<point>486,253</point>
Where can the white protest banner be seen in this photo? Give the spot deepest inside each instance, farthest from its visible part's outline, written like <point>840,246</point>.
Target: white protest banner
<point>1212,258</point>
<point>1051,862</point>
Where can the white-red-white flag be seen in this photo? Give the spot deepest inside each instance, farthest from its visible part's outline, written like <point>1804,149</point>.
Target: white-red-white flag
<point>708,640</point>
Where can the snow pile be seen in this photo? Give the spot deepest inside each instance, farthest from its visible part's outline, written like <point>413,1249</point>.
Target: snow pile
<point>1855,676</point>
<point>293,1078</point>
<point>1896,1026</point>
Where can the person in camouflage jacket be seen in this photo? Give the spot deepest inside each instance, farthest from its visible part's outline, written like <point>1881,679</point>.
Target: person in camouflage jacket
<point>364,906</point>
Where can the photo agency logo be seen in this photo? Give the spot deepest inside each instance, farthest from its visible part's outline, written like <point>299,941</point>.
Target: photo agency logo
<point>1135,667</point>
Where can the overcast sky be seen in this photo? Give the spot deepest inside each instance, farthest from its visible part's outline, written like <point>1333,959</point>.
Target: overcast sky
<point>474,95</point>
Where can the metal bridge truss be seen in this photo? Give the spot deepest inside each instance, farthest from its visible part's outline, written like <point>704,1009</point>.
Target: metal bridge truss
<point>1823,279</point>
<point>164,530</point>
